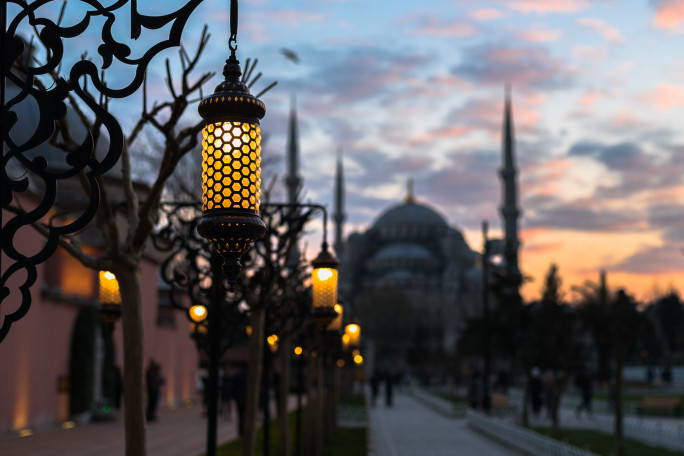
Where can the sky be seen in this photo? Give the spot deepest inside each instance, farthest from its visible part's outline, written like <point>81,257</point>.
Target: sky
<point>415,90</point>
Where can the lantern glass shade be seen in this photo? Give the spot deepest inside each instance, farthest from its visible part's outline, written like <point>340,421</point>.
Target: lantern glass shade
<point>336,324</point>
<point>354,332</point>
<point>198,313</point>
<point>324,284</point>
<point>231,166</point>
<point>109,289</point>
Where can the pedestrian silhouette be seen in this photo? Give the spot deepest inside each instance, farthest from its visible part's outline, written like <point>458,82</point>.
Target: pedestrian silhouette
<point>154,381</point>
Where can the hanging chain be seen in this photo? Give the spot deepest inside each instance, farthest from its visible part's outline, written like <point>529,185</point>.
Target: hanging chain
<point>232,41</point>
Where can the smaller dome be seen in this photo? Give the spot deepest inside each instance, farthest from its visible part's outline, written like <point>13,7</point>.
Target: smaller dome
<point>403,250</point>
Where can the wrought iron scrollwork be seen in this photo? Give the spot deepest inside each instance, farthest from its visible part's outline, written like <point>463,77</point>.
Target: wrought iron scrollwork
<point>25,168</point>
<point>190,268</point>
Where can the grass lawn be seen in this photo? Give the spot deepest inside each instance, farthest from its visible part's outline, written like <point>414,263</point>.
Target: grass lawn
<point>603,444</point>
<point>345,442</point>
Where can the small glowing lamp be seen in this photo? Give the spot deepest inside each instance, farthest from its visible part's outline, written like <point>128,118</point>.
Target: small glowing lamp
<point>324,284</point>
<point>336,324</point>
<point>340,363</point>
<point>354,332</point>
<point>110,297</point>
<point>298,351</point>
<point>358,359</point>
<point>198,313</point>
<point>272,342</point>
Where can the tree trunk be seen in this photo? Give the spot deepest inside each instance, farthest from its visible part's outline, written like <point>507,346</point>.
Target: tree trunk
<point>310,408</point>
<point>320,407</point>
<point>619,438</point>
<point>128,276</point>
<point>256,347</point>
<point>284,386</point>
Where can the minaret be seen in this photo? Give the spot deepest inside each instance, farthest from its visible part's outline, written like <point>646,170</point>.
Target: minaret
<point>410,196</point>
<point>509,209</point>
<point>339,214</point>
<point>293,181</point>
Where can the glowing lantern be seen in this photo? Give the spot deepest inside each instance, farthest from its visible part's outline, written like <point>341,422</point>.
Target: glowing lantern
<point>110,297</point>
<point>354,332</point>
<point>231,169</point>
<point>324,284</point>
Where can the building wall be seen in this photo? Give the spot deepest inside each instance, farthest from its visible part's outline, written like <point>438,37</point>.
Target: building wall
<point>35,354</point>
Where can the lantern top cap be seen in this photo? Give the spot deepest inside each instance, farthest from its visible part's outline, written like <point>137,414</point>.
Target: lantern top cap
<point>325,259</point>
<point>232,100</point>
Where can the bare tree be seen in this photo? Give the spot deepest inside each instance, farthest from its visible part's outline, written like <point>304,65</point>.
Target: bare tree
<point>125,227</point>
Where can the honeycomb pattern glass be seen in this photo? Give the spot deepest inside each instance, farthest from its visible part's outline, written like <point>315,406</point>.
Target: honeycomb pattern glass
<point>231,166</point>
<point>324,281</point>
<point>109,288</point>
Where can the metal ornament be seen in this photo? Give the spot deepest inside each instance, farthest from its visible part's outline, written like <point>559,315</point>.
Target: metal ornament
<point>35,175</point>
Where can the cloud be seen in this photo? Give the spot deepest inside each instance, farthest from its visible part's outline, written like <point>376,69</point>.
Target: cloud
<point>439,27</point>
<point>592,53</point>
<point>539,35</point>
<point>652,261</point>
<point>589,98</point>
<point>522,66</point>
<point>669,14</point>
<point>486,14</point>
<point>361,73</point>
<point>546,6</point>
<point>607,31</point>
<point>667,96</point>
<point>584,215</point>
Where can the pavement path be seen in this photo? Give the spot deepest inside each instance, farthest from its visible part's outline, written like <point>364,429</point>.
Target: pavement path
<point>410,428</point>
<point>178,432</point>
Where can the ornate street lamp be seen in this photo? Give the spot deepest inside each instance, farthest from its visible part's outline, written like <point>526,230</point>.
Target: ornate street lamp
<point>324,285</point>
<point>353,331</point>
<point>110,298</point>
<point>231,164</point>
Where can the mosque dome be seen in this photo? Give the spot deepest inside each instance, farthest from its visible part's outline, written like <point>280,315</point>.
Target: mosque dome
<point>410,214</point>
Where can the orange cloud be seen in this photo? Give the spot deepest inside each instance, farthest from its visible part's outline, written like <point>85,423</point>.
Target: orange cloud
<point>580,256</point>
<point>625,118</point>
<point>607,31</point>
<point>547,6</point>
<point>667,96</point>
<point>539,35</point>
<point>670,14</point>
<point>447,132</point>
<point>486,14</point>
<point>589,99</point>
<point>435,27</point>
<point>589,53</point>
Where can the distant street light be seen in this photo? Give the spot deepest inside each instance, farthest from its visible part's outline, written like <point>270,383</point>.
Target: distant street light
<point>110,298</point>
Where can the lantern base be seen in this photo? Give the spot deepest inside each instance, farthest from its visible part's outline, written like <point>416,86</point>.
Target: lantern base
<point>323,317</point>
<point>232,234</point>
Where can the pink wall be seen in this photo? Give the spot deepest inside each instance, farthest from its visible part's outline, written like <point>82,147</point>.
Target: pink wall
<point>36,351</point>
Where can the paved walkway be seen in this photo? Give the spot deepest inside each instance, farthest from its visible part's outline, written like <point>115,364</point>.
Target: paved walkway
<point>410,428</point>
<point>179,432</point>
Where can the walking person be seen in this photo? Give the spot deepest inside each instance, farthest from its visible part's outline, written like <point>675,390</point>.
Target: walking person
<point>154,382</point>
<point>585,385</point>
